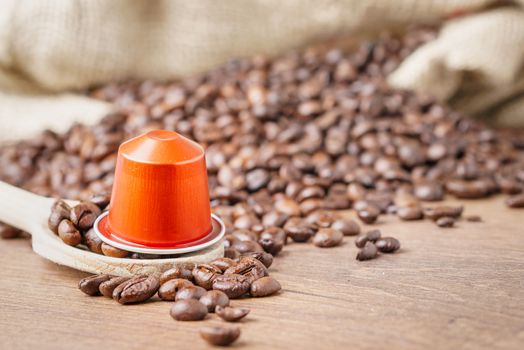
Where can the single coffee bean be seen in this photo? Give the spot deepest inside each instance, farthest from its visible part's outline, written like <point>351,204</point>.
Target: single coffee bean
<point>473,218</point>
<point>233,285</point>
<point>136,290</point>
<point>299,232</point>
<point>243,247</point>
<point>214,298</point>
<point>220,335</point>
<point>369,214</point>
<point>169,289</point>
<point>244,235</point>
<point>272,240</point>
<point>59,211</point>
<point>114,252</point>
<point>370,236</point>
<point>188,310</point>
<point>263,257</point>
<point>205,274</point>
<point>68,233</point>
<point>445,221</point>
<point>179,271</point>
<point>232,253</point>
<point>249,267</point>
<point>327,238</point>
<point>107,288</point>
<point>274,218</point>
<point>441,211</point>
<point>347,226</point>
<point>92,241</point>
<point>516,201</point>
<point>368,252</point>
<point>101,200</point>
<point>90,285</point>
<point>83,215</point>
<point>223,263</point>
<point>429,191</point>
<point>231,314</point>
<point>264,287</point>
<point>191,292</point>
<point>387,244</point>
<point>9,232</point>
<point>410,213</point>
<point>468,189</point>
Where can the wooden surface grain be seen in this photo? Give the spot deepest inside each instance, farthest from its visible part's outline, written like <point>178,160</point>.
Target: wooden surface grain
<point>446,288</point>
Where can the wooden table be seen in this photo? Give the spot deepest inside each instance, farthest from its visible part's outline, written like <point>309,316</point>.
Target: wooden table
<point>447,288</point>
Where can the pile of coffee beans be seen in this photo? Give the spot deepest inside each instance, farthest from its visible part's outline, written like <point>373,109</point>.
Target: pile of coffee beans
<point>289,141</point>
<point>195,290</point>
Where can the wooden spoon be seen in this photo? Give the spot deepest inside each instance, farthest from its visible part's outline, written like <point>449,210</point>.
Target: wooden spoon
<point>29,212</point>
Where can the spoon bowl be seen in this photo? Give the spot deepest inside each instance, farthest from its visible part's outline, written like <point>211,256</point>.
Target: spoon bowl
<point>29,212</point>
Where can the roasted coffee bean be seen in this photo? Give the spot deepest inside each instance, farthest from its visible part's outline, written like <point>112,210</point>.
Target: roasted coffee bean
<point>263,257</point>
<point>264,286</point>
<point>516,201</point>
<point>190,292</point>
<point>179,271</point>
<point>441,211</point>
<point>214,298</point>
<point>68,233</point>
<point>101,200</point>
<point>445,221</point>
<point>473,218</point>
<point>90,285</point>
<point>243,247</point>
<point>369,214</point>
<point>92,241</point>
<point>256,179</point>
<point>387,244</point>
<point>231,314</point>
<point>244,235</point>
<point>220,335</point>
<point>233,285</point>
<point>205,274</point>
<point>347,226</point>
<point>188,310</point>
<point>107,288</point>
<point>368,252</point>
<point>232,253</point>
<point>272,240</point>
<point>274,218</point>
<point>327,238</point>
<point>429,191</point>
<point>287,206</point>
<point>249,267</point>
<point>83,215</point>
<point>59,211</point>
<point>468,189</point>
<point>410,213</point>
<point>136,290</point>
<point>114,252</point>
<point>370,236</point>
<point>169,289</point>
<point>223,263</point>
<point>9,232</point>
<point>299,232</point>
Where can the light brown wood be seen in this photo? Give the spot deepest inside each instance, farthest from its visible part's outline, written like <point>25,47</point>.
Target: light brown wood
<point>459,288</point>
<point>29,212</point>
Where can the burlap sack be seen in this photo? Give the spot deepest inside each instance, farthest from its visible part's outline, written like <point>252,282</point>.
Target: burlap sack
<point>54,46</point>
<point>476,63</point>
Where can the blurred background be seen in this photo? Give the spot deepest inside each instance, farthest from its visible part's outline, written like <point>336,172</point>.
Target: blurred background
<point>52,52</point>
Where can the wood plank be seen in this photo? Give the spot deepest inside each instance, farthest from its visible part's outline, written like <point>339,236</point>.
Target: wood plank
<point>447,288</point>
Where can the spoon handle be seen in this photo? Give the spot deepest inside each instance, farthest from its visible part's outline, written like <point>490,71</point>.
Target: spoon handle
<point>22,209</point>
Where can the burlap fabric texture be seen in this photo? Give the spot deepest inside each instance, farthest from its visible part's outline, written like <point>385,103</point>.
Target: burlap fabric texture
<point>50,51</point>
